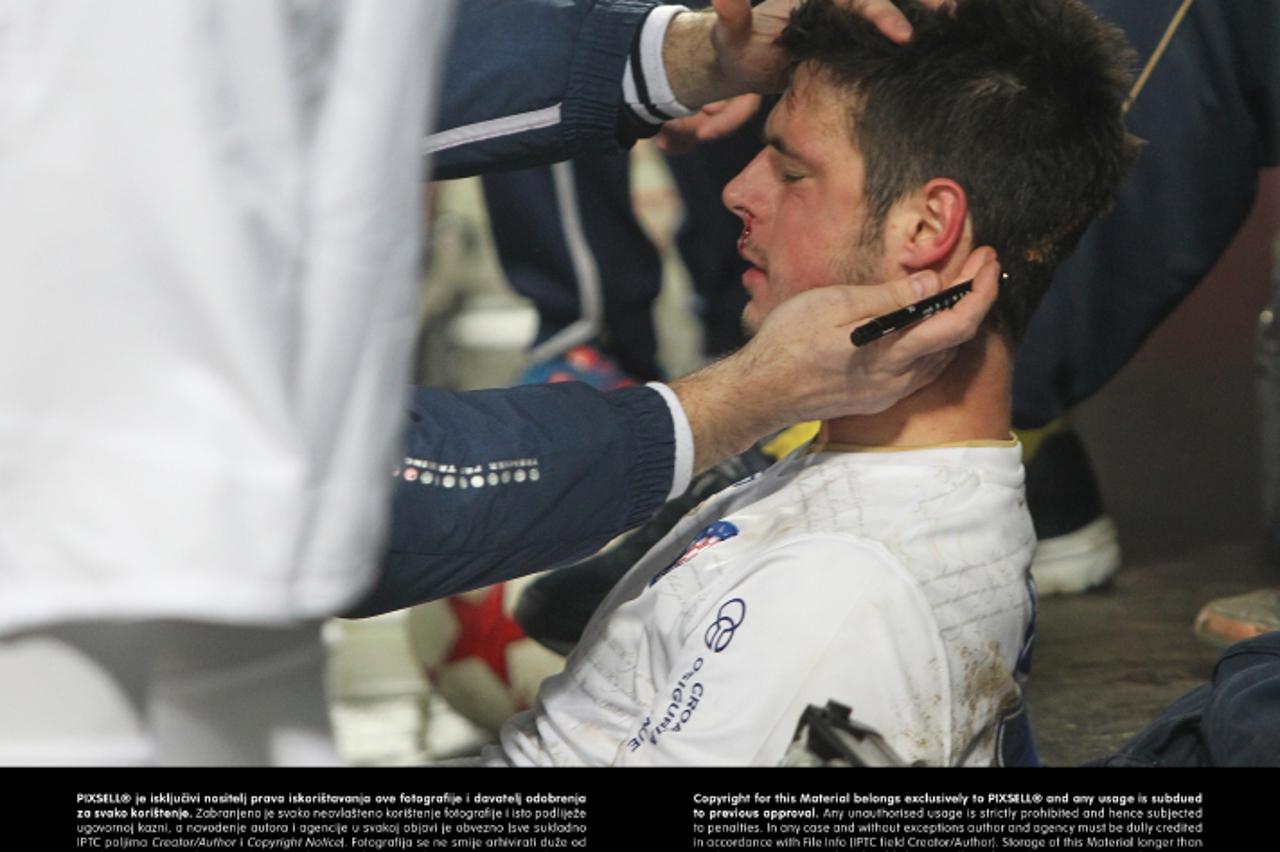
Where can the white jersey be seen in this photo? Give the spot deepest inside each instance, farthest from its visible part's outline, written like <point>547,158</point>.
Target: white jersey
<point>209,215</point>
<point>893,582</point>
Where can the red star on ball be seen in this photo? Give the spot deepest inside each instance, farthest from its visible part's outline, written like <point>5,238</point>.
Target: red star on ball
<point>484,631</point>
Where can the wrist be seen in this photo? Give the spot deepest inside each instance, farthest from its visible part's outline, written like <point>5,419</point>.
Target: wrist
<point>727,410</point>
<point>693,68</point>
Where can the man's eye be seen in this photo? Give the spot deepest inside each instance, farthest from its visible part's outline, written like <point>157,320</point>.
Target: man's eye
<point>791,177</point>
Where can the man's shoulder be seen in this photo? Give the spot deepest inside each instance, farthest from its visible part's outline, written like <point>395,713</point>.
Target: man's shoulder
<point>824,569</point>
<point>901,496</point>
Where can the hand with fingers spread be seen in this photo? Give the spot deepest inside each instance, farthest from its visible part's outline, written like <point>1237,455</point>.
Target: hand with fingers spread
<point>801,366</point>
<point>902,363</point>
<point>730,49</point>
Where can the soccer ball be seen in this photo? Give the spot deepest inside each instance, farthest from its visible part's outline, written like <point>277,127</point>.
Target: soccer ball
<point>476,656</point>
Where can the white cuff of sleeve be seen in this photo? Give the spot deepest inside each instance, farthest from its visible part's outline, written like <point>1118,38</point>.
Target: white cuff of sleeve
<point>682,470</point>
<point>645,86</point>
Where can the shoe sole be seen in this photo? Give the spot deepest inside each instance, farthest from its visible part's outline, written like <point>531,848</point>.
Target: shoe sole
<point>1078,561</point>
<point>1229,620</point>
<point>1223,631</point>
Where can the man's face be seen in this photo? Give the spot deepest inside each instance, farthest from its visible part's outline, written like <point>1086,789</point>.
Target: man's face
<point>801,202</point>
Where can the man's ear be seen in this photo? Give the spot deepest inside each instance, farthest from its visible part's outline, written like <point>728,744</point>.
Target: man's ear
<point>932,222</point>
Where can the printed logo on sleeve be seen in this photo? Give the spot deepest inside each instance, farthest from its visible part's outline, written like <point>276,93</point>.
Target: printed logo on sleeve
<point>728,619</point>
<point>712,535</point>
<point>684,697</point>
<point>689,690</point>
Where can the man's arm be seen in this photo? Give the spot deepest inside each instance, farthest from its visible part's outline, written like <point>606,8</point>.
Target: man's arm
<point>742,41</point>
<point>498,484</point>
<point>575,467</point>
<point>534,81</point>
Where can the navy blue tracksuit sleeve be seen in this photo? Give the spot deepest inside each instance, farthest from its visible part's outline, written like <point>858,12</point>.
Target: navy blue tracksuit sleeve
<point>497,484</point>
<point>528,82</point>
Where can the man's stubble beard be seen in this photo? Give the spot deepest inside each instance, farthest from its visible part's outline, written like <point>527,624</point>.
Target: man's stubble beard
<point>860,266</point>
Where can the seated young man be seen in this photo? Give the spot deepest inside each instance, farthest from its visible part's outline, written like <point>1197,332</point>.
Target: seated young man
<point>887,566</point>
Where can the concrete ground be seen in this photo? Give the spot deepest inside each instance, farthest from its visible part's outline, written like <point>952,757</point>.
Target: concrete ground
<point>1107,663</point>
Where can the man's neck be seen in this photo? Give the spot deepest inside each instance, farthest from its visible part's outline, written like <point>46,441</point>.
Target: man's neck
<point>970,401</point>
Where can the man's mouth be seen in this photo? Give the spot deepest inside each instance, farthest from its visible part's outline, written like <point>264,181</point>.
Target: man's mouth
<point>755,275</point>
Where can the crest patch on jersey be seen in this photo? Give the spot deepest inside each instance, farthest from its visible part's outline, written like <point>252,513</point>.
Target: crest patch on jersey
<point>714,534</point>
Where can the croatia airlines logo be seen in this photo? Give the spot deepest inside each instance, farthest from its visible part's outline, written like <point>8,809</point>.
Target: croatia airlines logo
<point>712,535</point>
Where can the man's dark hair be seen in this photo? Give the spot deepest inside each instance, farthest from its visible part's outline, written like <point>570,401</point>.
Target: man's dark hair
<point>1018,101</point>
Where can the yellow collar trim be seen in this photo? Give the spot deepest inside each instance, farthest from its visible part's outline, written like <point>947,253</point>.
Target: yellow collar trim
<point>862,448</point>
